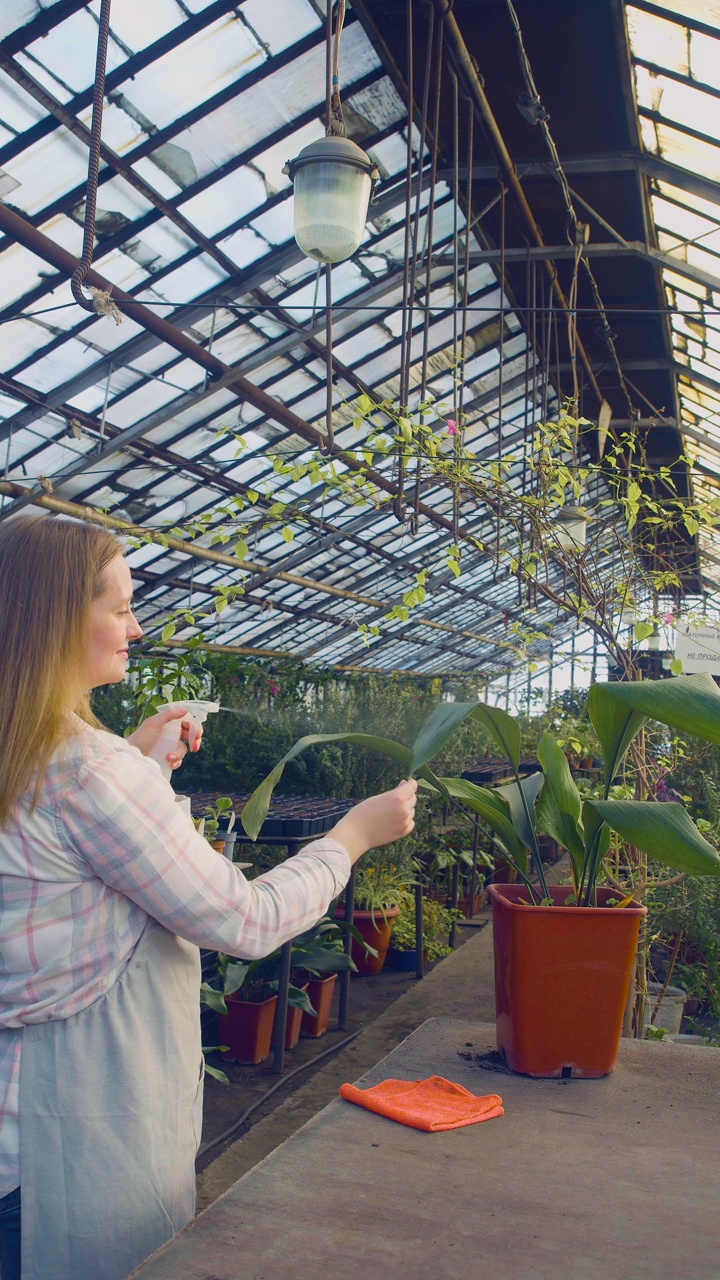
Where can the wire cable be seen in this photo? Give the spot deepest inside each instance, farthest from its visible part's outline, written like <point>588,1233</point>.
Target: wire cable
<point>245,1116</point>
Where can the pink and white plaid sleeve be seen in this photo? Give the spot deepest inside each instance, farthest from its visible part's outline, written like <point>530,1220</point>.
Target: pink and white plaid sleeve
<point>122,821</point>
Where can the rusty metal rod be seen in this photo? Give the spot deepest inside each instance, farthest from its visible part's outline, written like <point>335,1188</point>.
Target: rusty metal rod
<point>25,234</point>
<point>467,70</point>
<point>92,516</point>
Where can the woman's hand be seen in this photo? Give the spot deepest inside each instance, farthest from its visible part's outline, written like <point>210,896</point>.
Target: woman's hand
<point>145,737</point>
<point>379,820</point>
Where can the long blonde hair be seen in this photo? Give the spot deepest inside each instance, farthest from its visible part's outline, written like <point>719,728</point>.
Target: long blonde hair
<point>50,572</point>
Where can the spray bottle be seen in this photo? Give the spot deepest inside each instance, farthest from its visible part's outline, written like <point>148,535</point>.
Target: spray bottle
<point>169,739</point>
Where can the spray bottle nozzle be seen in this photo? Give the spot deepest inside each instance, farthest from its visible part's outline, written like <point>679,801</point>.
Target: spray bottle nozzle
<point>196,711</point>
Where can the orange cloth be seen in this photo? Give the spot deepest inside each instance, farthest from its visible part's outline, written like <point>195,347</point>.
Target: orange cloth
<point>431,1104</point>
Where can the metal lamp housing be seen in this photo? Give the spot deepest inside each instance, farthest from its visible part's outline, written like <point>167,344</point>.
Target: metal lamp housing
<point>333,180</point>
<point>571,529</point>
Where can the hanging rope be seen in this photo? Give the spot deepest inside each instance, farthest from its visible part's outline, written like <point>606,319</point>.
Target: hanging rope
<point>335,126</point>
<point>460,420</point>
<point>330,442</point>
<point>501,349</point>
<point>335,121</point>
<point>100,301</point>
<point>429,226</point>
<point>406,332</point>
<point>456,272</point>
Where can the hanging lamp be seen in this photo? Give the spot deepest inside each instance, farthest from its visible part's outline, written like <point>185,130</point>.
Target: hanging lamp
<point>333,180</point>
<point>333,177</point>
<point>571,528</point>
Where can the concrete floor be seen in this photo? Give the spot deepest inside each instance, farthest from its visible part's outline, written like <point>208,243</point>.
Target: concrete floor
<point>612,1179</point>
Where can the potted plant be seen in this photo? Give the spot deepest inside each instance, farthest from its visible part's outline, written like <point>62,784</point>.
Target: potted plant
<point>246,1005</point>
<point>379,893</point>
<point>573,941</point>
<point>437,922</point>
<point>318,956</point>
<point>209,822</point>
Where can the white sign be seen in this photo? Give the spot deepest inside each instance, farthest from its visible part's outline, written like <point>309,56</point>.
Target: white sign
<point>698,648</point>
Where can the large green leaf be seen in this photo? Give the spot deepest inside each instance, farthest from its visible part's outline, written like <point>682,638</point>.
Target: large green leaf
<point>558,809</point>
<point>256,809</point>
<point>520,798</point>
<point>504,730</point>
<point>597,843</point>
<point>439,726</point>
<point>616,723</point>
<point>663,831</point>
<point>494,810</point>
<point>687,703</point>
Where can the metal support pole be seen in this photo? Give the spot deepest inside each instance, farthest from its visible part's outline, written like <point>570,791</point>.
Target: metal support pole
<point>454,899</point>
<point>345,977</point>
<point>419,965</point>
<point>467,70</point>
<point>281,1008</point>
<point>473,873</point>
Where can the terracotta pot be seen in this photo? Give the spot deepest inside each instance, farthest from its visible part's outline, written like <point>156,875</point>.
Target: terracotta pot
<point>376,932</point>
<point>217,845</point>
<point>247,1029</point>
<point>502,872</point>
<point>293,1020</point>
<point>320,993</point>
<point>561,981</point>
<point>464,904</point>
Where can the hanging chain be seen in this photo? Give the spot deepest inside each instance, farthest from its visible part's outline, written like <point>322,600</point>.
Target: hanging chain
<point>80,272</point>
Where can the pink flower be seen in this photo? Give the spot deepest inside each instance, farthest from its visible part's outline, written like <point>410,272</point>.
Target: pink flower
<point>272,687</point>
<point>452,427</point>
<point>668,619</point>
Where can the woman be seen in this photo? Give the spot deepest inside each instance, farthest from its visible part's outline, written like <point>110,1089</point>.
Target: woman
<point>106,893</point>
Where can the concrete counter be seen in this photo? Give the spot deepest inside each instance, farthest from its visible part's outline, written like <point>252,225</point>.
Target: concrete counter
<point>613,1179</point>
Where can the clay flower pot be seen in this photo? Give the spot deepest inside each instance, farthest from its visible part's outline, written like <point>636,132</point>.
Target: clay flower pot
<point>375,930</point>
<point>561,981</point>
<point>293,1020</point>
<point>247,1029</point>
<point>320,994</point>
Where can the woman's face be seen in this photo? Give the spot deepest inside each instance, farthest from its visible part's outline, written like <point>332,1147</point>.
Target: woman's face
<point>112,626</point>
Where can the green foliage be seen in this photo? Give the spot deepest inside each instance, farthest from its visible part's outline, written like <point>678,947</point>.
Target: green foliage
<point>437,922</point>
<point>254,980</point>
<point>377,888</point>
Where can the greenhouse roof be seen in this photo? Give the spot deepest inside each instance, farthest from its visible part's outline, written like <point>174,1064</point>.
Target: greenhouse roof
<point>204,104</point>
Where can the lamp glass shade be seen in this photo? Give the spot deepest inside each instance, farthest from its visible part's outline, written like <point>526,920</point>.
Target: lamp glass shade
<point>331,203</point>
<point>571,528</point>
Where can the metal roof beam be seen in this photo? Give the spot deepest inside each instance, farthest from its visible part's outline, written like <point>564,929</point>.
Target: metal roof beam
<point>118,75</point>
<point>43,22</point>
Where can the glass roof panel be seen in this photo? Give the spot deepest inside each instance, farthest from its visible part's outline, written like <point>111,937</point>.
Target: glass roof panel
<point>271,101</point>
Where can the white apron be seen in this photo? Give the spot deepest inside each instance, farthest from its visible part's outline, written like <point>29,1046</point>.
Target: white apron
<point>110,1118</point>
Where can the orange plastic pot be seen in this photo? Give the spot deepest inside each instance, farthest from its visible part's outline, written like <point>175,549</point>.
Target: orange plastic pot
<point>293,1020</point>
<point>375,930</point>
<point>561,981</point>
<point>320,994</point>
<point>247,1029</point>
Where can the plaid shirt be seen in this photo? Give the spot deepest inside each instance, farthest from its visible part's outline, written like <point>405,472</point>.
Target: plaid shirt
<point>106,847</point>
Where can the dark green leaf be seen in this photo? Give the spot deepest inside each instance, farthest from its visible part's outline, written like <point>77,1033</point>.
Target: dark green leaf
<point>438,728</point>
<point>256,809</point>
<point>690,704</point>
<point>512,793</point>
<point>616,723</point>
<point>664,832</point>
<point>504,730</point>
<point>558,809</point>
<point>494,810</point>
